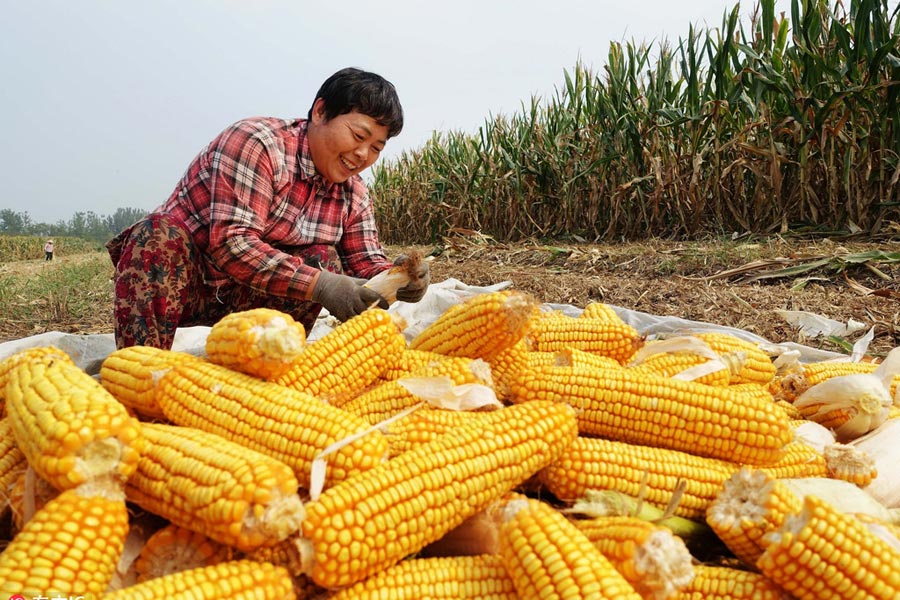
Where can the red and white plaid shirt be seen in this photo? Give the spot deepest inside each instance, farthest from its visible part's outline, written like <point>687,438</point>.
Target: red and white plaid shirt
<point>255,206</point>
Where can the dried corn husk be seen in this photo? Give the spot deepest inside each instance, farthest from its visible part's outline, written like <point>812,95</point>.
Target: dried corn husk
<point>843,495</point>
<point>883,445</point>
<point>399,276</point>
<point>863,396</point>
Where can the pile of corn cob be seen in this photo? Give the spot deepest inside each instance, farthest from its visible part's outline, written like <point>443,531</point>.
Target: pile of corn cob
<point>503,452</point>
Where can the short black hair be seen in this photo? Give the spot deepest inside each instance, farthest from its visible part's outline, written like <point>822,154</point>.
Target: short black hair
<point>368,93</point>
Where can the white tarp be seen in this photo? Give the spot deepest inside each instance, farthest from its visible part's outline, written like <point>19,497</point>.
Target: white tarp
<point>89,350</point>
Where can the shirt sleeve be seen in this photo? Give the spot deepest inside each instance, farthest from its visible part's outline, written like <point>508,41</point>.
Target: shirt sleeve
<point>361,251</point>
<point>242,185</point>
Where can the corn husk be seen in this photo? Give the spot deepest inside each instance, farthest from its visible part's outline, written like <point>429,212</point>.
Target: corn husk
<point>843,495</point>
<point>815,435</point>
<point>883,445</point>
<point>442,392</point>
<point>864,395</point>
<point>399,276</point>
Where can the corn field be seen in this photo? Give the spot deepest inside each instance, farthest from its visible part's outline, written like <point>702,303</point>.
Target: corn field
<point>784,123</point>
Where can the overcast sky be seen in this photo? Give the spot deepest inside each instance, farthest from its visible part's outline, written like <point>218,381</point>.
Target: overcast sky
<point>104,103</point>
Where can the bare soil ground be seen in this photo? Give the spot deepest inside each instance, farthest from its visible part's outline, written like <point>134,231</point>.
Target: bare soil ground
<point>734,284</point>
<point>737,284</point>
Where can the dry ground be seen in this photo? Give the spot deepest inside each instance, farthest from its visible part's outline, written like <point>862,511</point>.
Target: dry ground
<point>692,280</point>
<point>702,281</point>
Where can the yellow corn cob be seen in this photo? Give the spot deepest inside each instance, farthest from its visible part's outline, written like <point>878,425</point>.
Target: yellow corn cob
<point>799,460</point>
<point>751,504</point>
<point>822,554</point>
<point>12,463</point>
<point>660,411</point>
<point>7,364</point>
<point>363,525</point>
<point>425,424</point>
<point>480,577</point>
<point>669,364</point>
<point>174,548</point>
<point>283,423</point>
<point>757,366</point>
<point>27,495</point>
<point>480,327</point>
<point>70,546</point>
<point>506,365</point>
<point>849,463</point>
<point>713,582</point>
<point>548,557</point>
<point>262,342</point>
<point>572,357</point>
<point>68,426</point>
<point>408,361</point>
<point>597,463</point>
<point>793,384</point>
<point>753,389</point>
<point>538,359</point>
<point>233,580</point>
<point>650,557</point>
<point>388,398</point>
<point>221,489</point>
<point>348,358</point>
<point>790,410</point>
<point>618,341</point>
<point>132,375</point>
<point>600,310</point>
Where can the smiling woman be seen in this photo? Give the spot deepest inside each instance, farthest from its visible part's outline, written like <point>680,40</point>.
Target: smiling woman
<point>272,213</point>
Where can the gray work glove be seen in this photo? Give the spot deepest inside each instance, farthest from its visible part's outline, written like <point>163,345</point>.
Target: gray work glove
<point>344,296</point>
<point>415,289</point>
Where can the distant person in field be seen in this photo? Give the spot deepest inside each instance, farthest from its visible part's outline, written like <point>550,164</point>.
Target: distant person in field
<point>271,213</point>
<point>48,250</point>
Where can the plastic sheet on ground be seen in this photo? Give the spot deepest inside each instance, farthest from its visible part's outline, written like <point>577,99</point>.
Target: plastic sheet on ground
<point>89,350</point>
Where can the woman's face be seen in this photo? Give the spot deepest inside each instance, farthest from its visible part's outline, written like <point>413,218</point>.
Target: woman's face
<point>346,145</point>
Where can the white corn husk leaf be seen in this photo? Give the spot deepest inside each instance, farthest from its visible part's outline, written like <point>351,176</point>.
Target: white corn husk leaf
<point>701,370</point>
<point>888,369</point>
<point>785,361</point>
<point>441,392</point>
<point>863,392</point>
<point>883,445</point>
<point>681,343</point>
<point>843,495</point>
<point>388,282</point>
<point>813,325</point>
<point>815,435</point>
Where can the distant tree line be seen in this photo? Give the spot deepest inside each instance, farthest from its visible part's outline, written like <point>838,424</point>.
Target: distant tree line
<point>85,225</point>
